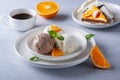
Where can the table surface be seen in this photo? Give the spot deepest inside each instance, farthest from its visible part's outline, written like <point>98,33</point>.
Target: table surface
<point>13,68</point>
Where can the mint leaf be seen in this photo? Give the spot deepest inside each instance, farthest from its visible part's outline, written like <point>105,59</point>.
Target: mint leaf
<point>34,58</point>
<point>89,36</point>
<point>60,37</point>
<point>52,33</point>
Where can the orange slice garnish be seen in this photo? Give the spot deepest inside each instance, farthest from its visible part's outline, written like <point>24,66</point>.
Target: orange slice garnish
<point>47,9</point>
<point>55,28</point>
<point>57,52</point>
<point>98,58</point>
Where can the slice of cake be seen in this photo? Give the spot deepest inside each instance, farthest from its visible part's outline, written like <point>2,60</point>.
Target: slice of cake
<point>94,15</point>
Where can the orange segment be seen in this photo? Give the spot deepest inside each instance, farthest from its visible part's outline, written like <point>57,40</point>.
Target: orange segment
<point>98,58</point>
<point>47,9</point>
<point>57,52</point>
<point>55,28</point>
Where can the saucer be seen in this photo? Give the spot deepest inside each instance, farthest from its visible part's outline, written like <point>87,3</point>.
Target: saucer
<point>25,55</point>
<point>79,37</point>
<point>115,9</point>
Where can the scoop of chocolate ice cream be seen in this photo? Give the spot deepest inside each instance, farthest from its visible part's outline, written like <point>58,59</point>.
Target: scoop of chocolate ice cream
<point>43,44</point>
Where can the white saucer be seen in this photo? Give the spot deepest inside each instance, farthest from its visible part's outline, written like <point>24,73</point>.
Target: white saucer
<point>24,54</point>
<point>115,9</point>
<point>81,40</point>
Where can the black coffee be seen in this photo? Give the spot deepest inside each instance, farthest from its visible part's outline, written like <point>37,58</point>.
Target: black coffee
<point>22,16</point>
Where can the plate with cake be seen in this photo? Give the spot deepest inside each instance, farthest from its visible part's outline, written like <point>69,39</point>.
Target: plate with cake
<point>96,14</point>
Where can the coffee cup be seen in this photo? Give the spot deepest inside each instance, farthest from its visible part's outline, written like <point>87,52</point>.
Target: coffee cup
<point>20,19</point>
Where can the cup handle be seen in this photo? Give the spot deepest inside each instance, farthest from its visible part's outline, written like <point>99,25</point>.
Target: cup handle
<point>4,19</point>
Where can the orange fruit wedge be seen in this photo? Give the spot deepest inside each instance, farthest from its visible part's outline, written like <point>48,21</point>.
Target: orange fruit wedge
<point>97,58</point>
<point>55,28</point>
<point>57,52</point>
<point>47,9</point>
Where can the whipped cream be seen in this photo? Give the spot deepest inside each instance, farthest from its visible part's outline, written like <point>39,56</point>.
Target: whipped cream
<point>108,13</point>
<point>85,5</point>
<point>69,44</point>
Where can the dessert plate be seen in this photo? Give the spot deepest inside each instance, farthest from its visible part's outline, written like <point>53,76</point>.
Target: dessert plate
<point>115,9</point>
<point>80,40</point>
<point>24,53</point>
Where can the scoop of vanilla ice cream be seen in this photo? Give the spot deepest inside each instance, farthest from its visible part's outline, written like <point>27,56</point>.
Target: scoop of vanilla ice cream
<point>69,44</point>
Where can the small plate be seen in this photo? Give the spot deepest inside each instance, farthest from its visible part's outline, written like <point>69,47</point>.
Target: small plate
<point>24,53</point>
<point>115,9</point>
<point>80,38</point>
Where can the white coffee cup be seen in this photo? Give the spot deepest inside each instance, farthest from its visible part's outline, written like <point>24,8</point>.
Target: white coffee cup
<point>20,19</point>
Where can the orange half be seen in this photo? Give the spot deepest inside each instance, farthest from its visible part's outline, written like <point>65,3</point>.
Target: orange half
<point>47,9</point>
<point>98,58</point>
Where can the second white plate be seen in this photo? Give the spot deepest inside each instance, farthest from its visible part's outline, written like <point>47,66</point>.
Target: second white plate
<point>115,9</point>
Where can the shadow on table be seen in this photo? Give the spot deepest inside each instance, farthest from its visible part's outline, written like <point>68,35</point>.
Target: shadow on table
<point>59,17</point>
<point>113,29</point>
<point>81,70</point>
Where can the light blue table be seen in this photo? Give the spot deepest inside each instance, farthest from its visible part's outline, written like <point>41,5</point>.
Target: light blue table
<point>13,68</point>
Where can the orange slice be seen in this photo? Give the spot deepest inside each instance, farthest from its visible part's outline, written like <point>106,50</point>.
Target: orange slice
<point>57,52</point>
<point>98,59</point>
<point>55,28</point>
<point>47,9</point>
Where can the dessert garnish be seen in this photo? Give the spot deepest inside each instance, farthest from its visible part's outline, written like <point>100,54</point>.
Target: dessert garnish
<point>54,34</point>
<point>89,36</point>
<point>98,58</point>
<point>55,28</point>
<point>33,58</point>
<point>57,52</point>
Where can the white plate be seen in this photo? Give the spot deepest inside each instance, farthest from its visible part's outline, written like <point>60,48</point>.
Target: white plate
<point>115,9</point>
<point>80,38</point>
<point>23,53</point>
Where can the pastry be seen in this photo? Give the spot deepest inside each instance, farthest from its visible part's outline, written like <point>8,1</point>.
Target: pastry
<point>94,15</point>
<point>94,11</point>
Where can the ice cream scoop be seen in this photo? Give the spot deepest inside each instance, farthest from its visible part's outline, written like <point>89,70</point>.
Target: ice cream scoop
<point>43,44</point>
<point>69,45</point>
